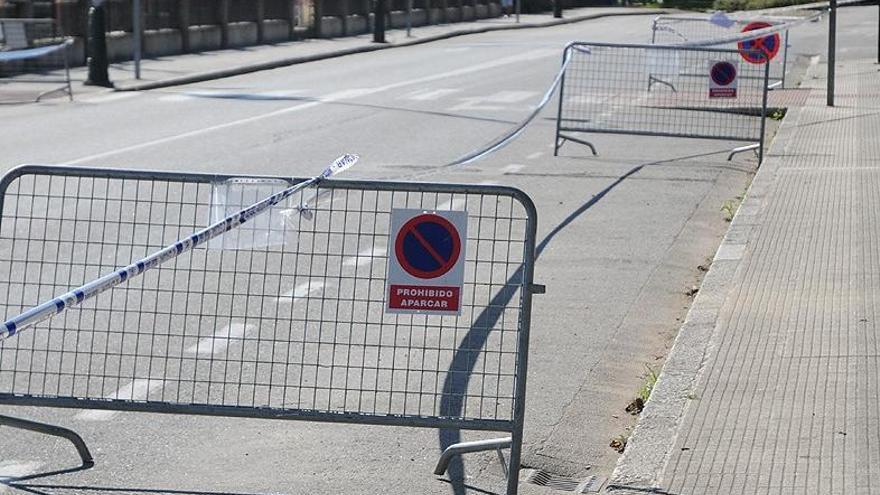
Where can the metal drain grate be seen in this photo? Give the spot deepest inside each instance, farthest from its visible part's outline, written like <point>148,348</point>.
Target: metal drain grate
<point>590,484</point>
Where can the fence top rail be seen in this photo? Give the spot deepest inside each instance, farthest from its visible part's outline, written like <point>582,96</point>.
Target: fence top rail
<point>649,46</point>
<point>26,53</point>
<point>362,184</point>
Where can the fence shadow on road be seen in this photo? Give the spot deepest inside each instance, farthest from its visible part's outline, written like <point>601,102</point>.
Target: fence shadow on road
<point>463,363</point>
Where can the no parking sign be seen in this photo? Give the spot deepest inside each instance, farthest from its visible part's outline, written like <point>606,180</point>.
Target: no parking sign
<point>722,79</point>
<point>426,261</point>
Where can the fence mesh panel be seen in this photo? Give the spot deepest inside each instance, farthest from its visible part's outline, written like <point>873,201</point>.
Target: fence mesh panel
<point>658,91</point>
<point>672,30</point>
<point>295,325</point>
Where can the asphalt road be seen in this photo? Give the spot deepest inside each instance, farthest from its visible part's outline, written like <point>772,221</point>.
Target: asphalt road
<point>621,236</point>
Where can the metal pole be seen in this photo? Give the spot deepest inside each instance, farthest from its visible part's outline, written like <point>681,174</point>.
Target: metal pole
<point>763,140</point>
<point>832,50</point>
<point>878,32</point>
<point>519,10</point>
<point>136,32</point>
<point>409,9</point>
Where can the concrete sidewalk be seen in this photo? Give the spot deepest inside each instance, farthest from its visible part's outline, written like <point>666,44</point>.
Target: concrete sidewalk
<point>772,385</point>
<point>184,69</point>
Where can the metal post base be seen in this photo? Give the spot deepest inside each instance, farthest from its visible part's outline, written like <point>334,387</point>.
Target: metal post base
<point>57,431</point>
<point>562,139</point>
<point>52,92</point>
<point>475,446</point>
<point>741,149</point>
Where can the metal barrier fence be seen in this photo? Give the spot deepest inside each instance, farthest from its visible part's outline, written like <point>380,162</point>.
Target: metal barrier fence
<point>284,319</point>
<point>672,30</point>
<point>38,68</point>
<point>659,90</point>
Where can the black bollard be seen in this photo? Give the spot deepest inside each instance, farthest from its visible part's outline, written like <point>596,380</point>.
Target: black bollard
<point>379,22</point>
<point>97,45</point>
<point>557,9</point>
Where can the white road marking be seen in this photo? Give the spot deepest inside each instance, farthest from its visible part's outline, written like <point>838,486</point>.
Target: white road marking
<point>364,257</point>
<point>494,102</point>
<point>511,96</point>
<point>535,155</point>
<point>430,94</point>
<point>513,59</point>
<point>302,290</point>
<point>220,340</point>
<point>12,469</point>
<point>512,168</point>
<point>138,389</point>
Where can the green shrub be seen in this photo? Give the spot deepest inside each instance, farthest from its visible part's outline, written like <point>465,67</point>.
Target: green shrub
<point>688,4</point>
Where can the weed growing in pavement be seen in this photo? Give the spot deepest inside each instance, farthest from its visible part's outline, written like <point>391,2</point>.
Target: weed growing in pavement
<point>777,113</point>
<point>729,207</point>
<point>648,386</point>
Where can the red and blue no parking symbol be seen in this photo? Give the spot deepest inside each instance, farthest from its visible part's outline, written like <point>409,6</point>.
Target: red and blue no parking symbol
<point>723,73</point>
<point>426,261</point>
<point>427,246</point>
<point>762,49</point>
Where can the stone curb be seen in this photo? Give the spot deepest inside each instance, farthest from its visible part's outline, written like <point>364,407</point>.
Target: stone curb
<point>288,61</point>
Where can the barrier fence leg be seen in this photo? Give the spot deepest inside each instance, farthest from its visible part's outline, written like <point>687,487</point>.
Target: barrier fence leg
<point>515,459</point>
<point>784,59</point>
<point>467,447</point>
<point>556,143</point>
<point>67,75</point>
<point>763,112</point>
<point>56,431</point>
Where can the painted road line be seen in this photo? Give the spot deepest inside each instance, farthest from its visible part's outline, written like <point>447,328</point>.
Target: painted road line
<point>494,102</point>
<point>430,94</point>
<point>365,257</point>
<point>138,389</point>
<point>302,290</point>
<point>513,59</point>
<point>512,168</point>
<point>220,340</point>
<point>535,155</point>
